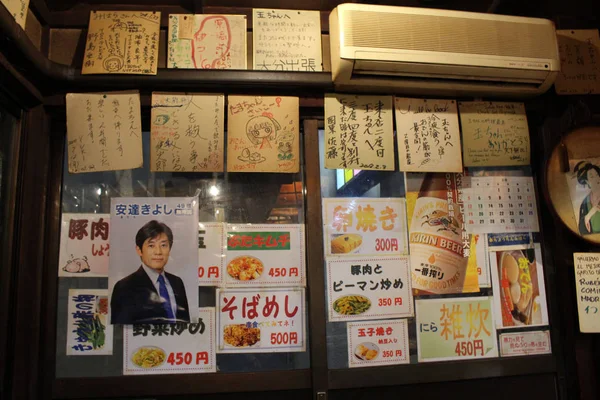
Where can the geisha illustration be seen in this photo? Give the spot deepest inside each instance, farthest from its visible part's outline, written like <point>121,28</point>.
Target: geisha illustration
<point>262,130</point>
<point>588,176</point>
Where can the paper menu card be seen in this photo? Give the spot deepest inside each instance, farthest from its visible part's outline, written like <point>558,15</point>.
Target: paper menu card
<point>84,246</point>
<point>18,9</point>
<point>207,41</point>
<point>263,134</point>
<point>587,282</point>
<point>187,132</point>
<point>104,131</point>
<point>428,135</point>
<point>286,40</point>
<point>359,132</point>
<point>375,343</point>
<point>494,134</point>
<point>122,42</point>
<point>579,52</point>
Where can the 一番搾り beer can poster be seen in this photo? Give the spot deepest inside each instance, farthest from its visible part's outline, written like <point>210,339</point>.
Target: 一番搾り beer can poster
<point>264,255</point>
<point>260,320</point>
<point>455,329</point>
<point>365,226</point>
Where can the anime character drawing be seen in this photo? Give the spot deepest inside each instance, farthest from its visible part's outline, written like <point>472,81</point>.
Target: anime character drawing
<point>113,64</point>
<point>262,130</point>
<point>285,146</point>
<point>587,175</point>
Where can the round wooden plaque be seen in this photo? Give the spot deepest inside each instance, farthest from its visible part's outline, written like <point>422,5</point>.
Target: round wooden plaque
<point>579,144</point>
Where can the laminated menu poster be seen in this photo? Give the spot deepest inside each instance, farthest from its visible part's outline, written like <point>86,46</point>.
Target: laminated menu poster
<point>494,134</point>
<point>211,244</point>
<point>519,290</point>
<point>104,131</point>
<point>88,328</point>
<point>18,9</point>
<point>264,255</point>
<point>359,132</point>
<point>286,40</point>
<point>84,247</point>
<point>583,180</point>
<point>364,226</point>
<point>377,343</point>
<point>455,329</point>
<point>369,288</point>
<point>260,320</point>
<point>525,343</point>
<point>122,42</point>
<point>207,41</point>
<point>186,132</point>
<point>180,348</point>
<point>428,135</point>
<point>153,272</point>
<point>587,282</point>
<point>579,51</point>
<point>263,134</point>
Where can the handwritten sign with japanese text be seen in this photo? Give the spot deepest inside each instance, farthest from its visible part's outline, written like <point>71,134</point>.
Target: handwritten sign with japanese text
<point>579,52</point>
<point>181,348</point>
<point>265,255</point>
<point>84,247</point>
<point>260,320</point>
<point>286,40</point>
<point>365,226</point>
<point>378,343</point>
<point>359,132</point>
<point>187,132</point>
<point>122,42</point>
<point>211,242</point>
<point>525,343</point>
<point>455,329</point>
<point>428,135</point>
<point>18,9</point>
<point>369,288</point>
<point>104,131</point>
<point>494,134</point>
<point>587,282</point>
<point>263,134</point>
<point>88,330</point>
<point>207,41</point>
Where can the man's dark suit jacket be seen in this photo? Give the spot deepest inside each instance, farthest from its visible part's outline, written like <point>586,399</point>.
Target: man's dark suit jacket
<point>135,300</point>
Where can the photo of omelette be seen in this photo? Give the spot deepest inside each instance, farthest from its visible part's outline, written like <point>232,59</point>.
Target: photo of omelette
<point>366,351</point>
<point>344,244</point>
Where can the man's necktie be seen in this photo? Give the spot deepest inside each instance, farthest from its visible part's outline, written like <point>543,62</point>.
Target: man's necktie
<point>164,294</point>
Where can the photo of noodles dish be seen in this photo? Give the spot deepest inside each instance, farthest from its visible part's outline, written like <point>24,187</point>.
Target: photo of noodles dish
<point>245,268</point>
<point>240,335</point>
<point>148,357</point>
<point>351,305</point>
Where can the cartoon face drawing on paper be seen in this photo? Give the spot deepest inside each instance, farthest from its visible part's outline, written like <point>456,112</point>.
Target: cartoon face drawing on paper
<point>285,146</point>
<point>211,43</point>
<point>77,265</point>
<point>113,64</point>
<point>262,130</point>
<point>161,119</point>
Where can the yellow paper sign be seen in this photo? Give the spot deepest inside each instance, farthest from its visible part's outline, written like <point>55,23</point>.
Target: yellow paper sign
<point>494,134</point>
<point>104,131</point>
<point>428,135</point>
<point>18,9</point>
<point>579,62</point>
<point>359,132</point>
<point>207,41</point>
<point>187,132</point>
<point>263,134</point>
<point>122,42</point>
<point>286,40</point>
<point>587,279</point>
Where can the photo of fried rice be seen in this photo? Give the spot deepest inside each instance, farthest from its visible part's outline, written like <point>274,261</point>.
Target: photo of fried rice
<point>240,335</point>
<point>351,305</point>
<point>148,357</point>
<point>245,268</point>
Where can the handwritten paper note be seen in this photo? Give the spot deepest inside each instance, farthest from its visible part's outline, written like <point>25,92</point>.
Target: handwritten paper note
<point>207,41</point>
<point>18,9</point>
<point>122,42</point>
<point>263,134</point>
<point>287,40</point>
<point>104,131</point>
<point>187,132</point>
<point>428,135</point>
<point>494,134</point>
<point>359,132</point>
<point>579,52</point>
<point>587,281</point>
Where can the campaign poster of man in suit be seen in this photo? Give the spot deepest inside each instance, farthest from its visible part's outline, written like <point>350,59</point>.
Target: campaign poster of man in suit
<point>153,261</point>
